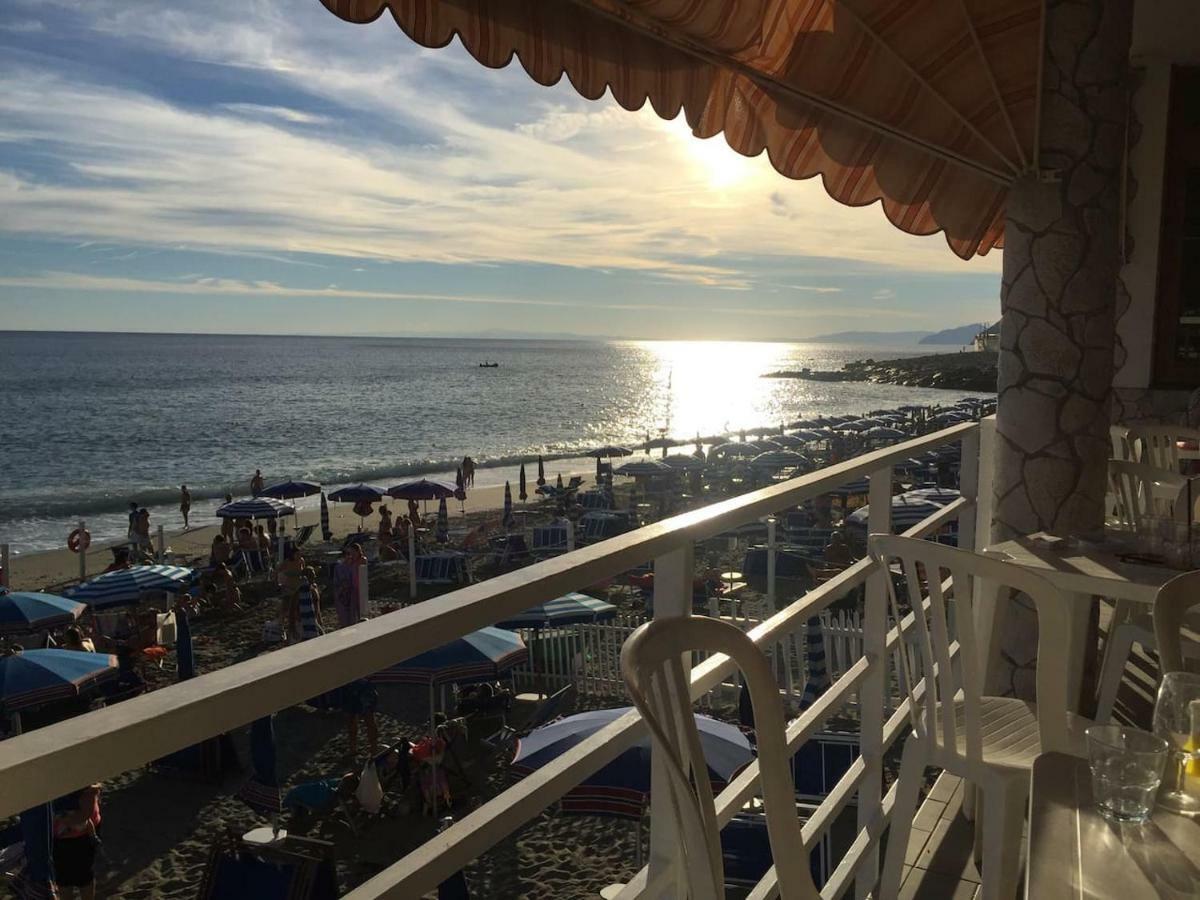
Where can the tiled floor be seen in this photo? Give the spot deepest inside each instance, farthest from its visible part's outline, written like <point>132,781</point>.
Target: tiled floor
<point>939,861</point>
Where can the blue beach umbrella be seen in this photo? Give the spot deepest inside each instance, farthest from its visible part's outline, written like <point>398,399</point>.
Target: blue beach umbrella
<point>356,492</point>
<point>326,531</point>
<point>622,788</point>
<point>37,880</point>
<point>128,585</point>
<point>521,492</point>
<point>541,479</point>
<point>569,609</point>
<point>291,490</point>
<point>482,655</point>
<point>422,489</point>
<point>817,680</point>
<point>256,508</point>
<point>33,677</point>
<point>507,518</point>
<point>30,611</point>
<point>261,792</point>
<point>442,534</point>
<point>185,653</point>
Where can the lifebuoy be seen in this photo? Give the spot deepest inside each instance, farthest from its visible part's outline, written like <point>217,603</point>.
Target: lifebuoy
<point>79,539</point>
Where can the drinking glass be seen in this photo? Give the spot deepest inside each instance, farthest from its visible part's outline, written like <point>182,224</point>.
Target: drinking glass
<point>1177,721</point>
<point>1127,766</point>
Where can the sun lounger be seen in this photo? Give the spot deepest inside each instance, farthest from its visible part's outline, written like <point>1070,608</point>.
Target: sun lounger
<point>595,499</point>
<point>551,540</point>
<point>303,535</point>
<point>254,565</point>
<point>547,711</point>
<point>448,567</point>
<point>294,868</point>
<point>598,525</point>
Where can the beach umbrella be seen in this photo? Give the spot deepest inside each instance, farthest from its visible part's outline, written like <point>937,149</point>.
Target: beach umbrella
<point>356,492</point>
<point>37,880</point>
<point>610,450</point>
<point>521,491</point>
<point>261,792</point>
<point>764,446</point>
<point>907,511</point>
<point>310,626</point>
<point>256,508</point>
<point>883,432</point>
<point>569,609</point>
<point>128,585</point>
<point>185,653</point>
<point>422,489</point>
<point>291,490</point>
<point>856,488</point>
<point>33,677</point>
<point>326,531</point>
<point>774,460</point>
<point>789,441</point>
<point>599,470</point>
<point>733,449</point>
<point>808,435</point>
<point>442,534</point>
<point>541,479</point>
<point>684,463</point>
<point>933,494</point>
<point>482,655</point>
<point>22,611</point>
<point>817,679</point>
<point>507,518</point>
<point>558,482</point>
<point>622,787</point>
<point>644,468</point>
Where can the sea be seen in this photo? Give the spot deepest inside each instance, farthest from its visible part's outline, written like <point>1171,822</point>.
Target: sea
<point>90,422</point>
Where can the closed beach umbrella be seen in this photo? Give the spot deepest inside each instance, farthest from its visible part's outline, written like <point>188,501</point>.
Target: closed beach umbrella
<point>185,653</point>
<point>817,679</point>
<point>357,492</point>
<point>261,792</point>
<point>422,489</point>
<point>443,523</point>
<point>326,531</point>
<point>310,626</point>
<point>507,518</point>
<point>522,493</point>
<point>33,677</point>
<point>291,490</point>
<point>645,468</point>
<point>541,479</point>
<point>482,655</point>
<point>256,508</point>
<point>128,585</point>
<point>622,787</point>
<point>22,611</point>
<point>558,482</point>
<point>569,609</point>
<point>37,833</point>
<point>599,469</point>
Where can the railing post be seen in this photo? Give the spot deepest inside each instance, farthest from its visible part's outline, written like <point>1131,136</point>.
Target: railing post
<point>968,486</point>
<point>870,696</point>
<point>672,599</point>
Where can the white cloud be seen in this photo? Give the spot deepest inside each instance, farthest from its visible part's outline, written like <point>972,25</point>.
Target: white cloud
<point>282,113</point>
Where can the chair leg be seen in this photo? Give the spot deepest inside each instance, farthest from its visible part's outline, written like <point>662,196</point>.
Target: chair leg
<point>1003,816</point>
<point>912,767</point>
<point>1121,643</point>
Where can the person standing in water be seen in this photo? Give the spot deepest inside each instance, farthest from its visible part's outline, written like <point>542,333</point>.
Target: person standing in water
<point>256,483</point>
<point>185,503</point>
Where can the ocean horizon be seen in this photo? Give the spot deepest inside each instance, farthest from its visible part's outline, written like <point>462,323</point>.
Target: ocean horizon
<point>94,420</point>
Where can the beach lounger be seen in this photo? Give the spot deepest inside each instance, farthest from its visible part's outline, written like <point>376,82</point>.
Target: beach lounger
<point>448,567</point>
<point>294,868</point>
<point>551,540</point>
<point>255,565</point>
<point>303,535</point>
<point>547,711</point>
<point>598,525</point>
<point>595,499</point>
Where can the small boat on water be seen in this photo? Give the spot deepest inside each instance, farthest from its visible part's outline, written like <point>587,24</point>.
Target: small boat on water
<point>489,365</point>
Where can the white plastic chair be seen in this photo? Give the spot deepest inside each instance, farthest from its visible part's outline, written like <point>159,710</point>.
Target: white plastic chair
<point>1157,445</point>
<point>989,741</point>
<point>1144,492</point>
<point>1172,623</point>
<point>1119,436</point>
<point>651,663</point>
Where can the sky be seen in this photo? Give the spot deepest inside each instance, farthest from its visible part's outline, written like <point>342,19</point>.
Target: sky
<point>260,166</point>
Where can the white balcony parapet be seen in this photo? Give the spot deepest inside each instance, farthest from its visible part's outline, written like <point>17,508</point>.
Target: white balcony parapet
<point>48,762</point>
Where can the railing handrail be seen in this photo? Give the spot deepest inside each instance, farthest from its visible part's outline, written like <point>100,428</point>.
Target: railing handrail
<point>47,762</point>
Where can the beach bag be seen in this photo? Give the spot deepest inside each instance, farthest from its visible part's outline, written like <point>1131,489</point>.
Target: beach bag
<point>370,791</point>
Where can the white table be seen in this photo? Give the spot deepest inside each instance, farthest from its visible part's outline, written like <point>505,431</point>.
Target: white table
<point>1075,854</point>
<point>1082,575</point>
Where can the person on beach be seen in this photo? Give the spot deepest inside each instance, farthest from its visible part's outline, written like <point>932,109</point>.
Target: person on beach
<point>257,483</point>
<point>358,700</point>
<point>311,574</point>
<point>291,570</point>
<point>221,551</point>
<point>260,538</point>
<point>76,823</point>
<point>246,540</point>
<point>345,585</point>
<point>227,524</point>
<point>120,560</point>
<point>185,504</point>
<point>837,551</point>
<point>468,470</point>
<point>133,516</point>
<point>414,513</point>
<point>224,589</point>
<point>385,524</point>
<point>141,537</point>
<point>73,639</point>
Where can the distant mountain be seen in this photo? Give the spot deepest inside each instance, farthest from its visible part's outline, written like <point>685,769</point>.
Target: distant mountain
<point>870,337</point>
<point>962,335</point>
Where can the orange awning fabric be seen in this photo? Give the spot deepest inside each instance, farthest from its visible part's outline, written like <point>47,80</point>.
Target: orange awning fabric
<point>929,106</point>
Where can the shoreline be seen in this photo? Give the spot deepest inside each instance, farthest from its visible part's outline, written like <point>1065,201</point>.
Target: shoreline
<point>965,371</point>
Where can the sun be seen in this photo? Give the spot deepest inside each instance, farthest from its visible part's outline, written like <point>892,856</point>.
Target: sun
<point>722,166</point>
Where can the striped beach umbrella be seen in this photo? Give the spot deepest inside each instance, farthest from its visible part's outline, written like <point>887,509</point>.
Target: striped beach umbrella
<point>774,460</point>
<point>522,493</point>
<point>622,787</point>
<point>732,450</point>
<point>817,679</point>
<point>34,677</point>
<point>22,611</point>
<point>326,531</point>
<point>507,518</point>
<point>684,462</point>
<point>569,609</point>
<point>907,511</point>
<point>442,533</point>
<point>291,490</point>
<point>541,479</point>
<point>185,652</point>
<point>128,585</point>
<point>256,508</point>
<point>645,468</point>
<point>482,655</point>
<point>310,626</point>
<point>261,793</point>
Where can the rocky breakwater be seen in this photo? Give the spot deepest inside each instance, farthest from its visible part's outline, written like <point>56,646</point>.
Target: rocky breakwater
<point>974,371</point>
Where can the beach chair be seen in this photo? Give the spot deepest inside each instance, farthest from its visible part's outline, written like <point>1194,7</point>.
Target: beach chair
<point>546,711</point>
<point>255,565</point>
<point>448,567</point>
<point>550,540</point>
<point>292,868</point>
<point>303,535</point>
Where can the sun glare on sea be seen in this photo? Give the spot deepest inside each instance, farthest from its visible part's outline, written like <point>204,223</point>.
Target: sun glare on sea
<point>706,387</point>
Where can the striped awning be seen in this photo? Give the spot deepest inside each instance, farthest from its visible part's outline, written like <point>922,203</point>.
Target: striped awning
<point>928,107</point>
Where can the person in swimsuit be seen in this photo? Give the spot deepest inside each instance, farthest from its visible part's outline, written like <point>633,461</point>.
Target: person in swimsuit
<point>227,524</point>
<point>260,538</point>
<point>256,483</point>
<point>76,821</point>
<point>185,504</point>
<point>291,570</point>
<point>345,586</point>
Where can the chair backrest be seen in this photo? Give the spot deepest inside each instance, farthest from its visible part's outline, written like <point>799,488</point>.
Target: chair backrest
<point>1119,435</point>
<point>1156,445</point>
<point>942,584</point>
<point>1171,604</point>
<point>651,663</point>
<point>1144,492</point>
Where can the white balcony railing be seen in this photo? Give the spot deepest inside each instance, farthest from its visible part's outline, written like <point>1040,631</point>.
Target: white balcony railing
<point>45,763</point>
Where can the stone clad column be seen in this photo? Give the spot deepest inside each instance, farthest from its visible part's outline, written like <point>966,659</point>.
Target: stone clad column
<point>1061,258</point>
